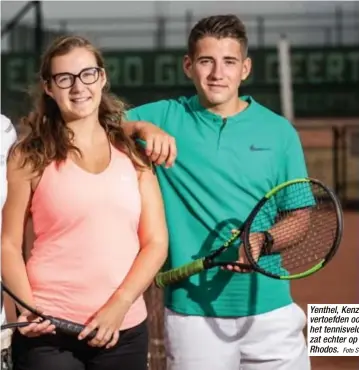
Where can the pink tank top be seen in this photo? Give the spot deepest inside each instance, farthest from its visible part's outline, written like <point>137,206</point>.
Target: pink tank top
<point>86,238</point>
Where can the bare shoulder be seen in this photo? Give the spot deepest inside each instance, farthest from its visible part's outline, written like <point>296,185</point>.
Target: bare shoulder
<point>146,173</point>
<point>145,167</point>
<point>18,168</point>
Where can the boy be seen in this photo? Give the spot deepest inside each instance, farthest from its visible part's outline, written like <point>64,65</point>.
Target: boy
<point>231,151</point>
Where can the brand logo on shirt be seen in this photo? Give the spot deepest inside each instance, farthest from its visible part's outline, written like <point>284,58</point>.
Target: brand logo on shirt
<point>254,148</point>
<point>125,178</point>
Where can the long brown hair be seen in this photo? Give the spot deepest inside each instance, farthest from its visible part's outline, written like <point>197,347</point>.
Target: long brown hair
<point>44,136</point>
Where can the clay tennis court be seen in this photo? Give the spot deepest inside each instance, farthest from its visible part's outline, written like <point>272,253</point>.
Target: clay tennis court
<point>339,281</point>
<point>336,283</point>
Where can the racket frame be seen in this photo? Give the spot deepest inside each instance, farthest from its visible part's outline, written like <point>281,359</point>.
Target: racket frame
<point>266,198</point>
<point>244,233</point>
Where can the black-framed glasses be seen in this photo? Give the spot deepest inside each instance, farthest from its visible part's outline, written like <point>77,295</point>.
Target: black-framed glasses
<point>87,76</point>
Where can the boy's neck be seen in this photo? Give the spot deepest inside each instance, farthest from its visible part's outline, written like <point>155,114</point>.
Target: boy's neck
<point>227,109</point>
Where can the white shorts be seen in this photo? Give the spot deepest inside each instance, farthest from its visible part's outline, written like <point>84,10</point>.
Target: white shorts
<point>270,341</point>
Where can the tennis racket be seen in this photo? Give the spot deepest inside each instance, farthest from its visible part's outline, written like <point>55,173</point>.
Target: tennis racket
<point>292,232</point>
<point>64,326</point>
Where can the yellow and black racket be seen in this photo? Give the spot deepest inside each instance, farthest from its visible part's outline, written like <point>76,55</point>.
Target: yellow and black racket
<point>292,232</point>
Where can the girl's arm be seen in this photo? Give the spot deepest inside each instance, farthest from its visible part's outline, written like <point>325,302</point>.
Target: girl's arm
<point>14,216</point>
<point>153,237</point>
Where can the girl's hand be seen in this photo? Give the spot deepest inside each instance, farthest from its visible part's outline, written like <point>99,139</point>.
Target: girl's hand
<point>36,326</point>
<point>108,322</point>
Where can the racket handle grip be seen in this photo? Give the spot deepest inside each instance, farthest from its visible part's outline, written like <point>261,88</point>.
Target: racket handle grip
<point>70,327</point>
<point>175,275</point>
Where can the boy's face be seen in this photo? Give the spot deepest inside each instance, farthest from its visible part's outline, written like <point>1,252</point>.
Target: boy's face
<point>217,69</point>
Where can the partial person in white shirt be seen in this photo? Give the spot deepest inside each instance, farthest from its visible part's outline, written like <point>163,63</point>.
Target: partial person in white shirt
<point>8,137</point>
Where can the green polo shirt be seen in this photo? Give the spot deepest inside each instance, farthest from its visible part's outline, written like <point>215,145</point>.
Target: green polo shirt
<point>223,168</point>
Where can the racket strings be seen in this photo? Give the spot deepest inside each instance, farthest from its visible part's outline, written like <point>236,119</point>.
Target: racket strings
<point>303,218</point>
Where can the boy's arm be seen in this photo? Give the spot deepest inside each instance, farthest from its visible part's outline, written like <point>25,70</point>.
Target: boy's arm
<point>145,124</point>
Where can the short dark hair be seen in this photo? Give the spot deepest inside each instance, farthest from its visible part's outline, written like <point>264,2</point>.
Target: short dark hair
<point>218,26</point>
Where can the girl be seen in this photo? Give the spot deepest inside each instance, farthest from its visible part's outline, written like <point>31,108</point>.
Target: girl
<point>98,219</point>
